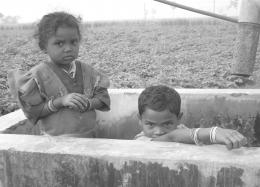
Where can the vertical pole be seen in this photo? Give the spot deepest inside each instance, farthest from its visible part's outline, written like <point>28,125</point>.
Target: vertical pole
<point>247,37</point>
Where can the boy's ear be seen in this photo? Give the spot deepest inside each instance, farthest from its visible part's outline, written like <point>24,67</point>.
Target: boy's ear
<point>139,118</point>
<point>180,115</point>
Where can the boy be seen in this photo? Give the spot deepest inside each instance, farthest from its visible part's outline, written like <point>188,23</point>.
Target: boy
<point>159,116</point>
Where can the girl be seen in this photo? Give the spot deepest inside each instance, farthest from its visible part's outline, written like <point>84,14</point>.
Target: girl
<point>61,95</point>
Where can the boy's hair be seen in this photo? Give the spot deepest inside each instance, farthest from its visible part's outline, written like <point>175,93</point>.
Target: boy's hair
<point>159,98</point>
<point>49,24</point>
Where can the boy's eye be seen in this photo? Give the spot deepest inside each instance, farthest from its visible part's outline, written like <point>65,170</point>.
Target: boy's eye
<point>168,124</point>
<point>149,124</point>
<point>60,43</point>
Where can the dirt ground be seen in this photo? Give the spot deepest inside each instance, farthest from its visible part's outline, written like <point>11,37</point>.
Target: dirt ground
<point>181,54</point>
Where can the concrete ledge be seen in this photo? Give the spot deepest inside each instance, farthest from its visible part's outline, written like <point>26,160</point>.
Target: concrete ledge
<point>61,161</point>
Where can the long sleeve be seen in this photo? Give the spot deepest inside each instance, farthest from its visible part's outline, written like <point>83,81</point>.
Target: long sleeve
<point>23,86</point>
<point>101,84</point>
<point>102,95</point>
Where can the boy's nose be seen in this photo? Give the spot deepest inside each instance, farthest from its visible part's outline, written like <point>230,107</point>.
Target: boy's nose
<point>158,131</point>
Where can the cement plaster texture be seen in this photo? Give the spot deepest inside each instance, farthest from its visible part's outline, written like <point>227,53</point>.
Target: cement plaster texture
<point>27,160</point>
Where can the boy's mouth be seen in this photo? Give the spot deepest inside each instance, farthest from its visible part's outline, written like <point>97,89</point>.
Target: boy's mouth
<point>158,135</point>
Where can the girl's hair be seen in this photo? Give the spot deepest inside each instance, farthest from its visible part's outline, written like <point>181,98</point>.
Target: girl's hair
<point>49,24</point>
<point>159,98</point>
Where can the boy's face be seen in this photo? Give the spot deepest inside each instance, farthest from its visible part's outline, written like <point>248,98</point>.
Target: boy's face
<point>63,47</point>
<point>156,124</point>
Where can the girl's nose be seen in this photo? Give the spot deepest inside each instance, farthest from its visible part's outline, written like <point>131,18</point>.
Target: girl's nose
<point>67,48</point>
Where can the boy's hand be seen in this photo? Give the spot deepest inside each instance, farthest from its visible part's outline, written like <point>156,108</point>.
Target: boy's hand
<point>76,101</point>
<point>231,138</point>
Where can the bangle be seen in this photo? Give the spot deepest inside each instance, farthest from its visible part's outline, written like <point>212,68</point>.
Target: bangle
<point>214,135</point>
<point>51,106</point>
<point>196,140</point>
<point>210,134</point>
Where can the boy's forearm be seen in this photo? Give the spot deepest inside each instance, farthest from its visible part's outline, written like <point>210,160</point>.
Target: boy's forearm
<point>178,135</point>
<point>184,136</point>
<point>204,135</point>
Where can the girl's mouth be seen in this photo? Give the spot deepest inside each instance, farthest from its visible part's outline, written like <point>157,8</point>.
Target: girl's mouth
<point>68,58</point>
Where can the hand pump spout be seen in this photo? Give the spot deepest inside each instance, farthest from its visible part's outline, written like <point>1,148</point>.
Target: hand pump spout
<point>198,11</point>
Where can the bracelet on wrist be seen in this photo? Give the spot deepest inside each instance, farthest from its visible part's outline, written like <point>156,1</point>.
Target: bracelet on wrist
<point>212,135</point>
<point>51,106</point>
<point>194,136</point>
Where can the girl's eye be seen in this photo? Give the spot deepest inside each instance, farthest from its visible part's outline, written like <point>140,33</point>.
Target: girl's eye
<point>75,42</point>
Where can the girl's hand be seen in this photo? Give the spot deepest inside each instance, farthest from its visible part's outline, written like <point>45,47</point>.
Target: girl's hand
<point>76,101</point>
<point>231,138</point>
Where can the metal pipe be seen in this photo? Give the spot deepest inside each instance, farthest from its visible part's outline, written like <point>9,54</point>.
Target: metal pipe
<point>199,11</point>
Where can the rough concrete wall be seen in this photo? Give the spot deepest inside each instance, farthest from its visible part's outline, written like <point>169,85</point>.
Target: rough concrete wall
<point>37,161</point>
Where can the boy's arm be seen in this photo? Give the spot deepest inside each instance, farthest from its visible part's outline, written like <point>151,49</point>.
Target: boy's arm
<point>231,138</point>
<point>183,136</point>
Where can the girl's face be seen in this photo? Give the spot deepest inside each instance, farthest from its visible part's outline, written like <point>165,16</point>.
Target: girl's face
<point>63,47</point>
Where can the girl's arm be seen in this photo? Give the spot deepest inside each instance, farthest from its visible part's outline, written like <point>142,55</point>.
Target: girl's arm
<point>101,99</point>
<point>34,112</point>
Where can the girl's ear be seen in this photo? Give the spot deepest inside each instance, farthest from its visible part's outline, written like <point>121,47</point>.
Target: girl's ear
<point>180,115</point>
<point>44,51</point>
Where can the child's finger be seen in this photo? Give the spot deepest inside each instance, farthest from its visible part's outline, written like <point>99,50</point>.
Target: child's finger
<point>228,143</point>
<point>82,96</point>
<point>244,141</point>
<point>235,140</point>
<point>241,138</point>
<point>82,99</point>
<point>73,106</point>
<point>78,104</point>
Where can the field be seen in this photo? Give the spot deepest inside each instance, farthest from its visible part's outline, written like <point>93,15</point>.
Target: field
<point>178,53</point>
